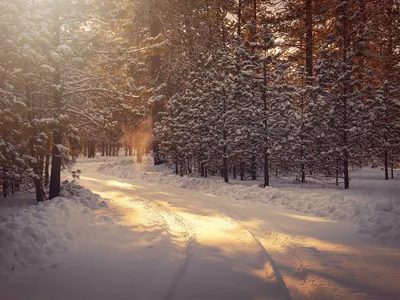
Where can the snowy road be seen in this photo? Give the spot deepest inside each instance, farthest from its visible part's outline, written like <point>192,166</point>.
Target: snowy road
<point>162,242</point>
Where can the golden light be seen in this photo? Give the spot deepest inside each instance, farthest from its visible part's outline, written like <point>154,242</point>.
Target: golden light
<point>308,218</point>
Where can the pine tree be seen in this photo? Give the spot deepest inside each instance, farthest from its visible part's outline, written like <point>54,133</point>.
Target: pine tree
<point>338,71</point>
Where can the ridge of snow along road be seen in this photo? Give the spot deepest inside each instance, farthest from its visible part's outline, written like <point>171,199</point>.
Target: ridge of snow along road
<point>33,236</point>
<point>379,219</point>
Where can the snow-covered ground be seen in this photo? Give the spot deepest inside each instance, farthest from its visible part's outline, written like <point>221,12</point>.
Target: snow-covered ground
<point>165,237</point>
<point>372,203</point>
<point>32,235</point>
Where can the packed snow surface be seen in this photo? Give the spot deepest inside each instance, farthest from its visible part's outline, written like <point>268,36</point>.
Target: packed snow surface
<point>380,218</point>
<point>158,236</point>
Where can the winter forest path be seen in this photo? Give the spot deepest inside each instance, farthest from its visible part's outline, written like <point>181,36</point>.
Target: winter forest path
<point>163,242</point>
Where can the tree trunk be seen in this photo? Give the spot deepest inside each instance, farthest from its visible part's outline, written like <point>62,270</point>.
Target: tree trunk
<point>309,42</point>
<point>93,149</point>
<point>344,97</point>
<point>202,169</point>
<point>388,75</point>
<point>37,180</point>
<point>47,163</point>
<point>346,170</point>
<point>309,79</point>
<point>225,152</point>
<point>39,189</point>
<point>337,176</point>
<point>89,147</point>
<point>46,170</point>
<point>36,166</point>
<point>155,30</point>
<point>55,179</point>
<point>266,146</point>
<point>85,151</point>
<point>239,18</point>
<point>254,27</point>
<point>254,40</point>
<point>266,169</point>
<point>225,169</point>
<point>139,157</point>
<point>392,168</point>
<point>110,146</point>
<point>5,188</point>
<point>303,173</point>
<point>264,96</point>
<point>253,168</point>
<point>386,165</point>
<point>41,165</point>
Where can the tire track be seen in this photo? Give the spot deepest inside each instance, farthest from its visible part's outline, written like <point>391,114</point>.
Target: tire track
<point>190,237</point>
<point>187,235</point>
<point>263,254</point>
<point>299,258</point>
<point>302,260</point>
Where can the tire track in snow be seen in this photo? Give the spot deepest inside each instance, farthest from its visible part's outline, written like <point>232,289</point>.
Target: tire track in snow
<point>299,258</point>
<point>187,235</point>
<point>178,231</point>
<point>244,234</point>
<point>263,254</point>
<point>317,289</point>
<point>321,274</point>
<point>302,259</point>
<point>262,251</point>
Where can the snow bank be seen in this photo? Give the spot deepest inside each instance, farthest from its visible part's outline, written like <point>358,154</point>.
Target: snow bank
<point>30,237</point>
<point>376,220</point>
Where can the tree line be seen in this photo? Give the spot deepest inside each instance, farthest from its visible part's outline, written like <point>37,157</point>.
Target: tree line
<point>241,88</point>
<point>304,88</point>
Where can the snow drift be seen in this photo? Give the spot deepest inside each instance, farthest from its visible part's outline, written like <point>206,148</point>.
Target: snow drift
<point>379,219</point>
<point>31,237</point>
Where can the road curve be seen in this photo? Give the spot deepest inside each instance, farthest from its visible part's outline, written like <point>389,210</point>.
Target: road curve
<point>162,242</point>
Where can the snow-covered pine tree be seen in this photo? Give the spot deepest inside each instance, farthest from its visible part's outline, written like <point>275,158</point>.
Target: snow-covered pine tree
<point>385,106</point>
<point>300,27</point>
<point>27,38</point>
<point>338,87</point>
<point>79,81</point>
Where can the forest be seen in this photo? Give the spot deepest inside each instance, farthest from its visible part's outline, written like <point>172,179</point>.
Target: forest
<point>243,89</point>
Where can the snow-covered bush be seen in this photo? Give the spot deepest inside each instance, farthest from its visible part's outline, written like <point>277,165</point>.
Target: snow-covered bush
<point>32,236</point>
